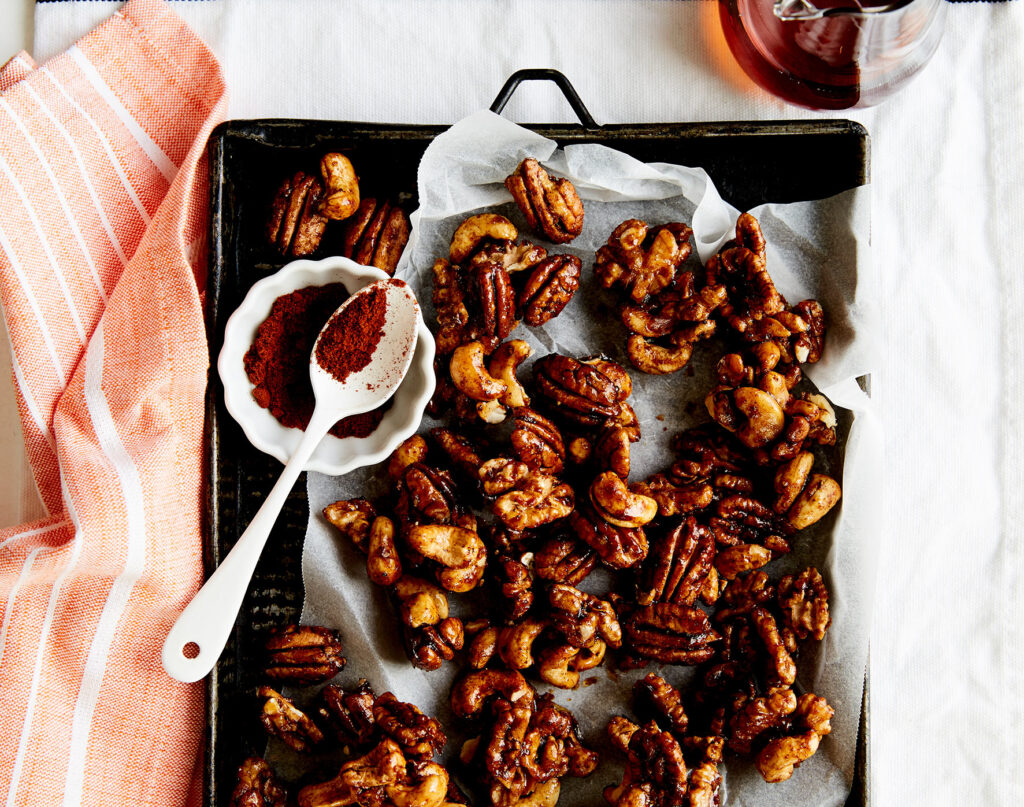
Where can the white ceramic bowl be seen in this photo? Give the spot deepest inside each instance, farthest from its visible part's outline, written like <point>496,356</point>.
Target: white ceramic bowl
<point>334,455</point>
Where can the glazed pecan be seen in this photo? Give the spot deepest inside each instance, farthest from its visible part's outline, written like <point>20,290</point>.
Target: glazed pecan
<point>673,499</point>
<point>549,289</point>
<point>282,719</point>
<point>669,633</point>
<point>419,736</point>
<point>678,565</point>
<point>256,786</point>
<point>564,560</point>
<point>740,559</point>
<point>383,565</point>
<point>460,450</point>
<point>450,306</point>
<point>349,712</point>
<point>429,646</point>
<point>589,393</point>
<point>582,617</point>
<point>551,206</point>
<point>303,654</point>
<point>501,474</point>
<point>515,586</point>
<point>376,235</point>
<point>496,303</point>
<point>643,261</point>
<point>745,520</point>
<point>296,225</point>
<point>783,668</point>
<point>741,267</point>
<point>618,547</point>
<point>655,774</point>
<point>537,441</point>
<point>743,594</point>
<point>537,499</point>
<point>704,453</point>
<point>353,517</point>
<point>804,604</point>
<point>753,717</point>
<point>781,755</point>
<point>660,700</point>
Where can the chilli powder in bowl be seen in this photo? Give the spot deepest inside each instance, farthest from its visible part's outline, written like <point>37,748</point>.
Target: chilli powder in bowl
<point>277,362</point>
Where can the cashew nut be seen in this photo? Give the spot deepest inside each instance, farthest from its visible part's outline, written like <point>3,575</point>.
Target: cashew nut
<point>341,194</point>
<point>483,647</point>
<point>544,795</point>
<point>383,566</point>
<point>353,518</point>
<point>555,667</point>
<point>655,359</point>
<point>828,414</point>
<point>460,551</point>
<point>412,450</point>
<point>430,792</point>
<point>515,643</point>
<point>790,480</point>
<point>740,559</point>
<point>422,603</point>
<point>503,365</point>
<point>492,412</point>
<point>764,416</point>
<point>471,693</point>
<point>472,231</point>
<point>470,375</point>
<point>590,656</point>
<point>815,500</point>
<point>618,505</point>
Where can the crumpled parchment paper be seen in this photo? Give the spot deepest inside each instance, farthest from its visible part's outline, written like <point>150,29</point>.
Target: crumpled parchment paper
<point>816,249</point>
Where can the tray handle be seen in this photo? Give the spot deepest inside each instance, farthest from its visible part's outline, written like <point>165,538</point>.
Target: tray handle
<point>545,74</point>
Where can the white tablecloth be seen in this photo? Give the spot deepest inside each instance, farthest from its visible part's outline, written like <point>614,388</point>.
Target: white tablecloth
<point>948,208</point>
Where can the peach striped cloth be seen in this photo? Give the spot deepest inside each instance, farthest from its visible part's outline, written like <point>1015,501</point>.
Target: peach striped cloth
<point>102,216</point>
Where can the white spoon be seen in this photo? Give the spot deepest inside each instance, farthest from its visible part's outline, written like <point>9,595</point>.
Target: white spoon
<point>207,621</point>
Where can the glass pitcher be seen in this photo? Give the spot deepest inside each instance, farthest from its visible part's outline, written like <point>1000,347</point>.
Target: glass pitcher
<point>832,54</point>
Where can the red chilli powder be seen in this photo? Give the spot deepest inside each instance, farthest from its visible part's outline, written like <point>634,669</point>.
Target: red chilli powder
<point>277,362</point>
<point>349,341</point>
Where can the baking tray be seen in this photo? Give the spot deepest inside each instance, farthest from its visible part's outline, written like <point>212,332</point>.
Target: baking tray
<point>750,163</point>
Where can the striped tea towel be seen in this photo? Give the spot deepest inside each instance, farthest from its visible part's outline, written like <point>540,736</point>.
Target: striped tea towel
<point>102,207</point>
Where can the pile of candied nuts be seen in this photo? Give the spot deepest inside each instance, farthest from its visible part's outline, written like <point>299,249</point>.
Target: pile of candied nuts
<point>374,233</point>
<point>527,490</point>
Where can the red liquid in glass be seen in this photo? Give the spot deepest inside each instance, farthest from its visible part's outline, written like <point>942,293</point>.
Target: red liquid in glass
<point>813,63</point>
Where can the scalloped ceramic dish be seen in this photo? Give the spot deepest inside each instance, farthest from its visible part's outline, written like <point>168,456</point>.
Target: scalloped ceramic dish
<point>334,455</point>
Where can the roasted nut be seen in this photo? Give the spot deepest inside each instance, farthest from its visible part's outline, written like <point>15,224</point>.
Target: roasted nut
<point>305,654</point>
<point>620,731</point>
<point>549,289</point>
<point>658,698</point>
<point>450,304</point>
<point>669,633</point>
<point>376,235</point>
<point>551,206</point>
<point>815,500</point>
<point>587,393</point>
<point>783,666</point>
<point>778,759</point>
<point>810,344</point>
<point>349,713</point>
<point>257,786</point>
<point>740,559</point>
<point>790,479</point>
<point>675,500</point>
<point>611,451</point>
<point>426,495</point>
<point>353,517</point>
<point>483,647</point>
<point>420,603</point>
<point>418,735</point>
<point>459,551</point>
<point>537,499</point>
<point>743,595</point>
<point>503,365</point>
<point>477,231</point>
<point>555,666</point>
<point>740,266</point>
<point>470,375</point>
<point>804,604</point>
<point>515,586</point>
<point>752,414</point>
<point>537,442</point>
<point>514,256</point>
<point>655,774</point>
<point>515,642</point>
<point>383,565</point>
<point>564,561</point>
<point>678,566</point>
<point>471,693</point>
<point>295,225</point>
<point>282,719</point>
<point>429,646</point>
<point>705,452</point>
<point>655,359</point>
<point>501,474</point>
<point>618,547</point>
<point>496,300</point>
<point>642,261</point>
<point>582,617</point>
<point>744,520</point>
<point>414,449</point>
<point>341,195</point>
<point>758,715</point>
<point>459,449</point>
<point>360,781</point>
<point>491,411</point>
<point>617,505</point>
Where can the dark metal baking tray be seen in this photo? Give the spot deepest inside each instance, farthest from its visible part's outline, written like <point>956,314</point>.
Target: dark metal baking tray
<point>751,163</point>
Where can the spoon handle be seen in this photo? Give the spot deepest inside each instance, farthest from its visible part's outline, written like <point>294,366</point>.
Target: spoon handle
<point>208,619</point>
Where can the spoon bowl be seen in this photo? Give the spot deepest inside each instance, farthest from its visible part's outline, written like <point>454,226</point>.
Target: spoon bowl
<point>197,638</point>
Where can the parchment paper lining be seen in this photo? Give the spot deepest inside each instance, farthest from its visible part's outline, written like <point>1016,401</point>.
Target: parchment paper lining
<point>815,249</point>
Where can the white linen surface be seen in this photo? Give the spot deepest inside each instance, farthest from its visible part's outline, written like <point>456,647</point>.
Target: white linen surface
<point>947,722</point>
